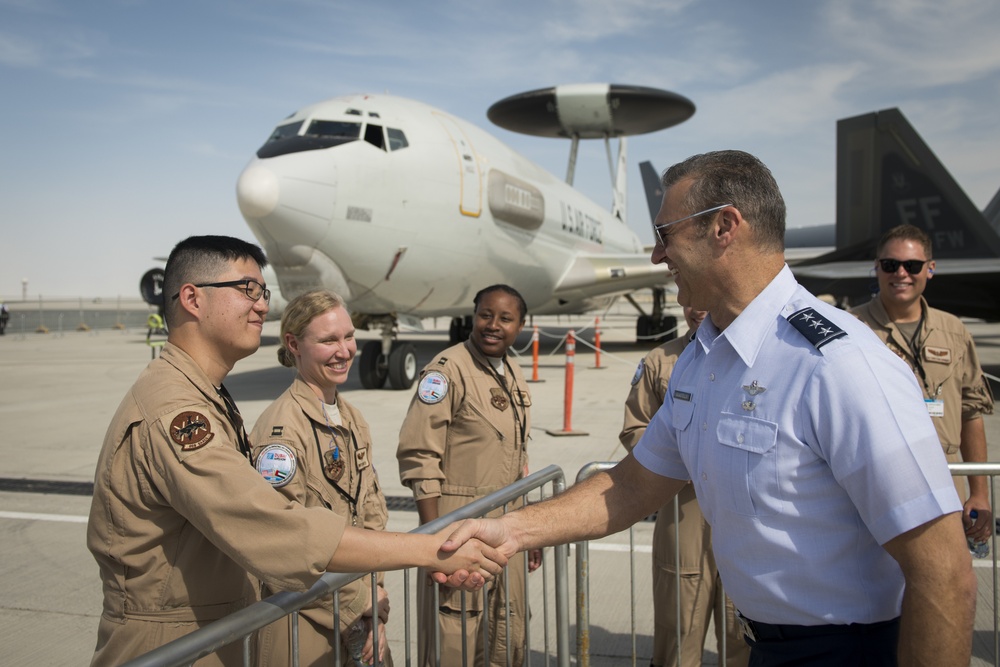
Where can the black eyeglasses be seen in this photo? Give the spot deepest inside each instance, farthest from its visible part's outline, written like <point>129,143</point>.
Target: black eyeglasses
<point>657,228</point>
<point>253,289</point>
<point>912,266</point>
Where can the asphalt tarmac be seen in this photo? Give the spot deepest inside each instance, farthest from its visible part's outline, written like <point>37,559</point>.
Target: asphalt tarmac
<point>59,391</point>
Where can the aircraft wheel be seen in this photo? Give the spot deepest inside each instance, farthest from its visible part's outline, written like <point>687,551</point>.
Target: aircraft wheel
<point>373,367</point>
<point>402,366</point>
<point>643,324</point>
<point>459,329</point>
<point>455,330</point>
<point>667,329</point>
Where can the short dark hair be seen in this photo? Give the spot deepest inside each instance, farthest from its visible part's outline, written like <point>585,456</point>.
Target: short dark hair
<point>905,233</point>
<point>507,289</point>
<point>201,259</point>
<point>737,178</point>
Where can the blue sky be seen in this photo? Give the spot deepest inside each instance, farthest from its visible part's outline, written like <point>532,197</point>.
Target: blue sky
<point>127,122</point>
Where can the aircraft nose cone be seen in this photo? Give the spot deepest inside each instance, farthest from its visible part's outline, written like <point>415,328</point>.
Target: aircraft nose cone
<point>257,191</point>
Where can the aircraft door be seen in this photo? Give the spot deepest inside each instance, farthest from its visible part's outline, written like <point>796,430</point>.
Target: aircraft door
<point>471,202</point>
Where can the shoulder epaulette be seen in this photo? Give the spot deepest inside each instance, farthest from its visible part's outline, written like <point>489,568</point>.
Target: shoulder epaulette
<point>814,327</point>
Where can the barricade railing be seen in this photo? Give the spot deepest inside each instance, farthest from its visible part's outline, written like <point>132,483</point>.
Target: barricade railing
<point>583,572</point>
<point>242,624</point>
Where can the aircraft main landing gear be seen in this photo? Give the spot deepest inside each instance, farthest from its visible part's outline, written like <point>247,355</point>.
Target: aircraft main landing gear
<point>399,366</point>
<point>657,326</point>
<point>459,329</point>
<point>388,359</point>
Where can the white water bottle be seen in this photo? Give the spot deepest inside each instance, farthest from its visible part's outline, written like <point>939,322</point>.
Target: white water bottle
<point>978,549</point>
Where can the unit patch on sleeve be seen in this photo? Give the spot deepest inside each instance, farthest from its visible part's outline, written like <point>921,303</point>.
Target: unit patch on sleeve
<point>276,464</point>
<point>433,388</point>
<point>191,430</point>
<point>638,372</point>
<point>814,327</point>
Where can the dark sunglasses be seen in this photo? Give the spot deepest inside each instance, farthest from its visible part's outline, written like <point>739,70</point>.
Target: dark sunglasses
<point>912,266</point>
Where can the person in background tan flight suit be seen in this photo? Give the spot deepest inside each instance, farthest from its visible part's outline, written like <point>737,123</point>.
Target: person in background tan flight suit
<point>700,590</point>
<point>179,518</point>
<point>464,437</point>
<point>315,448</point>
<point>941,353</point>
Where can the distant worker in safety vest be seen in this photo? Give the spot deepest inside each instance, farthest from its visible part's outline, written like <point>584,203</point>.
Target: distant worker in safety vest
<point>154,324</point>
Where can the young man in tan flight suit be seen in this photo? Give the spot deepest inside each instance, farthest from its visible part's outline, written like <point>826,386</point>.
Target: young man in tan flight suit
<point>699,592</point>
<point>941,353</point>
<point>179,516</point>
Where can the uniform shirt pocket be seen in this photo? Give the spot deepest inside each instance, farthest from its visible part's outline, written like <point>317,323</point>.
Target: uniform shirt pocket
<point>746,477</point>
<point>681,411</point>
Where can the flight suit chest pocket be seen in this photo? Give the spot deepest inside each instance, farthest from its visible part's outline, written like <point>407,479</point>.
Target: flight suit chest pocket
<point>745,474</point>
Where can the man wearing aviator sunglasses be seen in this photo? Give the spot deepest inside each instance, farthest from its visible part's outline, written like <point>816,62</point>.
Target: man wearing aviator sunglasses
<point>942,355</point>
<point>835,525</point>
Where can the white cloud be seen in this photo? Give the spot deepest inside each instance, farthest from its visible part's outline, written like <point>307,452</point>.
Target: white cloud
<point>920,43</point>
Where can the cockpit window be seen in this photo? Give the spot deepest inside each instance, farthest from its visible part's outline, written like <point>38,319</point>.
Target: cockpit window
<point>333,128</point>
<point>318,135</point>
<point>284,131</point>
<point>397,140</point>
<point>374,136</point>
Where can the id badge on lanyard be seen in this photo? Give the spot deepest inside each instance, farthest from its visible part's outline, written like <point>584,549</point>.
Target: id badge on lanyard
<point>935,407</point>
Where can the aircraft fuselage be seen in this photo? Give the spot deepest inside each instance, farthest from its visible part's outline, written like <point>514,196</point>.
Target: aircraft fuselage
<point>407,210</point>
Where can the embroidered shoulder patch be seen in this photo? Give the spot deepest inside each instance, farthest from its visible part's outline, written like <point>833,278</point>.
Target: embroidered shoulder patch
<point>191,430</point>
<point>433,388</point>
<point>814,327</point>
<point>638,372</point>
<point>276,464</point>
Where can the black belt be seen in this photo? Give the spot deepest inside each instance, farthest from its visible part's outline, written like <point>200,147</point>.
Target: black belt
<point>758,631</point>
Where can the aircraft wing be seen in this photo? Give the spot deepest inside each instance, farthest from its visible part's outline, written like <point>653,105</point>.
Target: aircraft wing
<point>966,287</point>
<point>855,270</point>
<point>601,275</point>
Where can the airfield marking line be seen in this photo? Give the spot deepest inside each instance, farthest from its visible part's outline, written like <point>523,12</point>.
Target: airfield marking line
<point>34,516</point>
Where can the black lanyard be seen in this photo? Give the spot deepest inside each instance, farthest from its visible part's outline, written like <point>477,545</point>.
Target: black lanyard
<point>915,351</point>
<point>520,421</point>
<point>236,420</point>
<point>352,501</point>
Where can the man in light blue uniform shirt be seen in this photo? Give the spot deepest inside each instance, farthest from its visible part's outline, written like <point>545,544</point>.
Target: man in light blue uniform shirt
<point>777,437</point>
<point>836,525</point>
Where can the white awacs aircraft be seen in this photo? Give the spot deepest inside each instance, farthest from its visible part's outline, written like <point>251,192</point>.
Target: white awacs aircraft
<point>407,211</point>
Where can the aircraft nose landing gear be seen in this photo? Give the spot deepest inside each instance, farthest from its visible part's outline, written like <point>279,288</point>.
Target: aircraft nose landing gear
<point>386,358</point>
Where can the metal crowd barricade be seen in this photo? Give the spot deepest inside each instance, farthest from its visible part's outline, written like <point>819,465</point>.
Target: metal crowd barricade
<point>242,624</point>
<point>583,573</point>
